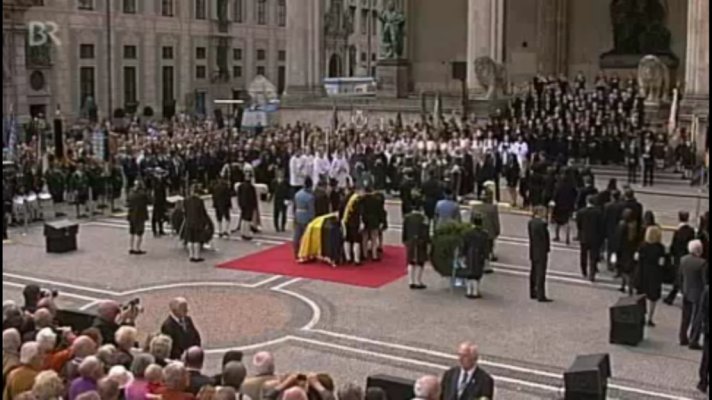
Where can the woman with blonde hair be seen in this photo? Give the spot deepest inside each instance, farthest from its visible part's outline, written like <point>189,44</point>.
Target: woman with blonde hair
<point>651,264</point>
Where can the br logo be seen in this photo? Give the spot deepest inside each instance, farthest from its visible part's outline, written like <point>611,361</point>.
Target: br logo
<point>41,33</point>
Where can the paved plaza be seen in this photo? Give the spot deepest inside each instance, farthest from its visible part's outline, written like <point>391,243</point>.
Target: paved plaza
<point>355,332</point>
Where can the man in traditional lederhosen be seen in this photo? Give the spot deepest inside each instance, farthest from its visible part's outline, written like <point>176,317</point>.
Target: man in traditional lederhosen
<point>222,202</point>
<point>196,219</point>
<point>475,252</point>
<point>416,238</point>
<point>56,183</point>
<point>137,216</point>
<point>79,185</point>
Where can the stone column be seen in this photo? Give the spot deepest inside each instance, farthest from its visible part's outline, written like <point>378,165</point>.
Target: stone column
<point>695,103</point>
<point>552,29</point>
<point>485,36</point>
<point>305,47</point>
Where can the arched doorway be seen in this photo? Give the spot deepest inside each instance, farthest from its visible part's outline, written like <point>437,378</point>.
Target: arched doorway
<point>334,66</point>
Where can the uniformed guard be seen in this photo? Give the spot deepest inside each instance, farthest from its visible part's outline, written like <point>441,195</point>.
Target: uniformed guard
<point>416,238</point>
<point>79,185</point>
<point>160,201</point>
<point>137,216</point>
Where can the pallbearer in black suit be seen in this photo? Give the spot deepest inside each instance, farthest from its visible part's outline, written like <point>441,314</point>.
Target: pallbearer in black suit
<point>137,216</point>
<point>678,249</point>
<point>321,199</point>
<point>279,194</point>
<point>539,247</point>
<point>371,209</point>
<point>416,238</point>
<point>467,381</point>
<point>591,232</point>
<point>222,201</point>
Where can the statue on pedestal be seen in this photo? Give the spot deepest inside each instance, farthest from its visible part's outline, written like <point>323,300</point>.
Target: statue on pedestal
<point>491,75</point>
<point>653,80</point>
<point>392,32</point>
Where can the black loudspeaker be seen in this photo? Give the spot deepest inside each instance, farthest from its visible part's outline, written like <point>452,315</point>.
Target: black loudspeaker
<point>459,70</point>
<point>628,321</point>
<point>61,236</point>
<point>587,378</point>
<point>77,320</point>
<point>395,388</point>
<point>58,140</point>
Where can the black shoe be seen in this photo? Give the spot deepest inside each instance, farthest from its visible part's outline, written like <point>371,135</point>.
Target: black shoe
<point>684,343</point>
<point>192,260</point>
<point>489,271</point>
<point>494,259</point>
<point>545,300</point>
<point>532,296</point>
<point>132,252</point>
<point>420,287</point>
<point>473,296</point>
<point>651,324</point>
<point>139,252</point>
<point>702,387</point>
<point>413,286</point>
<point>695,346</point>
<point>199,259</point>
<point>246,238</point>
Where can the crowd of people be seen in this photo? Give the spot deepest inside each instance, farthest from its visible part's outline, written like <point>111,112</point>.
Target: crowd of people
<point>44,360</point>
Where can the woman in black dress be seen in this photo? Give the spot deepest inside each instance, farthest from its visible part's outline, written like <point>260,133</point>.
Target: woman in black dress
<point>625,246</point>
<point>651,262</point>
<point>564,203</point>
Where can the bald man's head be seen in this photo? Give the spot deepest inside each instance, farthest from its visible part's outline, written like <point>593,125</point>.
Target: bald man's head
<point>179,307</point>
<point>427,387</point>
<point>194,357</point>
<point>295,393</point>
<point>468,354</point>
<point>108,310</point>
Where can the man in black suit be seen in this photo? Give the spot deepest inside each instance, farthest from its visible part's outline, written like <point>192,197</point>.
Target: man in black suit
<point>279,194</point>
<point>196,219</point>
<point>693,270</point>
<point>612,213</point>
<point>591,231</point>
<point>194,359</point>
<point>180,328</point>
<point>678,249</point>
<point>321,199</point>
<point>634,205</point>
<point>160,202</point>
<point>539,247</point>
<point>248,203</point>
<point>467,381</point>
<point>703,385</point>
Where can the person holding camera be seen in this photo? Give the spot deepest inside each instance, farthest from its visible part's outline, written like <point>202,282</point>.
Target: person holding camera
<point>297,387</point>
<point>111,315</point>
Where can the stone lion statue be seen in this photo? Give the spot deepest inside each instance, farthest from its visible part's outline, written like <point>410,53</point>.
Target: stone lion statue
<point>491,75</point>
<point>653,79</point>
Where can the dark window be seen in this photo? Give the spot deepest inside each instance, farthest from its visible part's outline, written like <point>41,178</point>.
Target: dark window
<point>237,71</point>
<point>282,55</point>
<point>199,9</point>
<point>281,79</point>
<point>364,21</point>
<point>262,12</point>
<point>261,70</point>
<point>86,84</point>
<point>237,54</point>
<point>130,52</point>
<point>200,72</point>
<point>130,85</point>
<point>261,54</point>
<point>85,5</point>
<point>167,52</point>
<point>363,56</point>
<point>86,51</point>
<point>168,85</point>
<point>238,11</point>
<point>167,8</point>
<point>374,27</point>
<point>201,53</point>
<point>130,7</point>
<point>282,13</point>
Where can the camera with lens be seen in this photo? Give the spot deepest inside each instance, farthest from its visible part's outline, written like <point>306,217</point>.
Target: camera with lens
<point>133,305</point>
<point>53,293</point>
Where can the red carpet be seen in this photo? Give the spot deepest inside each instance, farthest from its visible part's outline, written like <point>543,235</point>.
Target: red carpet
<point>279,260</point>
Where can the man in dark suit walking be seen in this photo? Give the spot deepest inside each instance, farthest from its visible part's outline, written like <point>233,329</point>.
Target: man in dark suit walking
<point>467,381</point>
<point>635,206</point>
<point>678,249</point>
<point>591,231</point>
<point>693,271</point>
<point>539,247</point>
<point>703,385</point>
<point>612,213</point>
<point>180,328</point>
<point>138,215</point>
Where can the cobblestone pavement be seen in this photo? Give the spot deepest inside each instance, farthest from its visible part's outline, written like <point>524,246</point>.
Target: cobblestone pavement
<point>352,332</point>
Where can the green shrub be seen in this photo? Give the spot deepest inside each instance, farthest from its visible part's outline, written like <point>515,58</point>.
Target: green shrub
<point>445,240</point>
